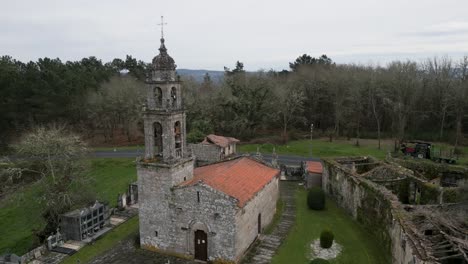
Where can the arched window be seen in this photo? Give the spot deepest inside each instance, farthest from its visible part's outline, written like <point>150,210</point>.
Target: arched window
<point>158,96</point>
<point>178,139</point>
<point>158,146</point>
<point>174,97</point>
<point>259,223</point>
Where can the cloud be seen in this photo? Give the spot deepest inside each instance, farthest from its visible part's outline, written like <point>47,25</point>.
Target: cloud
<point>442,29</point>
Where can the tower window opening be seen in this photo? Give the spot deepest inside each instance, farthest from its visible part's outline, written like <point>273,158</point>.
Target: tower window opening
<point>178,139</point>
<point>198,196</point>
<point>174,97</point>
<point>158,142</point>
<point>158,96</point>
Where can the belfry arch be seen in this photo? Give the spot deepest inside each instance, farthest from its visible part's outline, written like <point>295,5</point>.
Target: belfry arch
<point>178,138</point>
<point>158,139</point>
<point>174,97</point>
<point>158,97</point>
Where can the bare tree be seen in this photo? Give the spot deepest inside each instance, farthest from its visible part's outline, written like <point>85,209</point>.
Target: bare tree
<point>58,157</point>
<point>376,103</point>
<point>402,88</point>
<point>290,105</point>
<point>460,99</point>
<point>438,73</point>
<point>338,80</point>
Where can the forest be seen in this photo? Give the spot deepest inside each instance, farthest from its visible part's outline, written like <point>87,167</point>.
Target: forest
<point>425,100</point>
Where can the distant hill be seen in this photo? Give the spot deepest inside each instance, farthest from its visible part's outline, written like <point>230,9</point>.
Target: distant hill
<point>216,76</point>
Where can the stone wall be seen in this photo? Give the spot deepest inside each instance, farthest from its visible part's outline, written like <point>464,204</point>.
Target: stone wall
<point>213,213</point>
<point>263,203</point>
<point>156,201</point>
<point>169,216</point>
<point>33,254</point>
<point>206,153</point>
<point>377,208</point>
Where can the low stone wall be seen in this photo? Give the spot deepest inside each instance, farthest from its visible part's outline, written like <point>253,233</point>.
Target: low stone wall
<point>377,208</point>
<point>33,254</point>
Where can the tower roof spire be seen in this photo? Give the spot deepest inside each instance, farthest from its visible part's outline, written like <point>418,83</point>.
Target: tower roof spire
<point>162,28</point>
<point>163,62</point>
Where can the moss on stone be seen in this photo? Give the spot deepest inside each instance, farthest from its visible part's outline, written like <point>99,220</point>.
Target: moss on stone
<point>429,193</point>
<point>451,195</point>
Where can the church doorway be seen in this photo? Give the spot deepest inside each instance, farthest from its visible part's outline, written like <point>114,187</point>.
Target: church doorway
<point>201,245</point>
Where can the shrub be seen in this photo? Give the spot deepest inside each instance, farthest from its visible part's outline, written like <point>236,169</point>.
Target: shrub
<point>195,136</point>
<point>316,199</point>
<point>326,239</point>
<point>319,261</point>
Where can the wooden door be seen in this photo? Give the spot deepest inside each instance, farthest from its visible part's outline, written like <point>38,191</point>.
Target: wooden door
<point>201,245</point>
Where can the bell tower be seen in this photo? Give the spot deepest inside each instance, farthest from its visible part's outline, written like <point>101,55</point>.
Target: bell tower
<point>166,162</point>
<point>164,116</point>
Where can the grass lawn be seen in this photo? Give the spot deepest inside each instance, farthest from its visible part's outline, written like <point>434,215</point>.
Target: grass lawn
<point>19,215</point>
<point>279,211</point>
<point>106,242</point>
<point>322,148</point>
<point>136,147</point>
<point>20,212</point>
<point>359,247</point>
<point>112,177</point>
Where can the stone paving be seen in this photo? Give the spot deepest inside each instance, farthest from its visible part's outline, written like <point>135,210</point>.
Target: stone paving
<point>267,245</point>
<point>127,253</point>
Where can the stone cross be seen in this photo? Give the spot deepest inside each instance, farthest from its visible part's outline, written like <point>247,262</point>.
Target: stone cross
<point>162,26</point>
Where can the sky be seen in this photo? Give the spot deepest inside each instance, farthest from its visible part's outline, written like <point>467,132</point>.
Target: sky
<point>212,34</point>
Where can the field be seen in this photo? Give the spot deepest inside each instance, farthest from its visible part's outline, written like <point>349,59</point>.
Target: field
<point>322,148</point>
<point>359,247</point>
<point>21,214</point>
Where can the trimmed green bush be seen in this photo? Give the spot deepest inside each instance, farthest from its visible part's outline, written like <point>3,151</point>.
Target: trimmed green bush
<point>316,199</point>
<point>319,261</point>
<point>326,239</point>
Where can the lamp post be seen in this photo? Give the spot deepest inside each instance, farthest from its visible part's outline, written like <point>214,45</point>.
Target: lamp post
<point>311,132</point>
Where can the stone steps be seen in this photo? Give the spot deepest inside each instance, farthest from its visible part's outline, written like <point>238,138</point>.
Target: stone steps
<point>268,245</point>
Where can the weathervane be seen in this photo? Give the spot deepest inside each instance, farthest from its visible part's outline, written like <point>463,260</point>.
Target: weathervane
<point>162,26</point>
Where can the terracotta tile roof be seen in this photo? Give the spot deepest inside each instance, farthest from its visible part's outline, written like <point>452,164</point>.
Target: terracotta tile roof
<point>220,140</point>
<point>240,178</point>
<point>314,167</point>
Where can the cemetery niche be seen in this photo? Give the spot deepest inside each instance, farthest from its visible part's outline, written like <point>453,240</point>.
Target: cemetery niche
<point>85,223</point>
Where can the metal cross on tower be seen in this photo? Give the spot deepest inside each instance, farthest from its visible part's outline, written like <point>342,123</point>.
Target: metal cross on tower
<point>162,26</point>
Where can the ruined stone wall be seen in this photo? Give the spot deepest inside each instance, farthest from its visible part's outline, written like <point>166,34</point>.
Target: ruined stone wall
<point>376,208</point>
<point>263,203</point>
<point>206,152</point>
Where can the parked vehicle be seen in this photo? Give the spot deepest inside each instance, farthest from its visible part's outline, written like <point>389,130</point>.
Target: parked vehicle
<point>425,150</point>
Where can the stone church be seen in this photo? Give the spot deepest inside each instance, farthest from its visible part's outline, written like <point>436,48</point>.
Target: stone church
<point>212,212</point>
